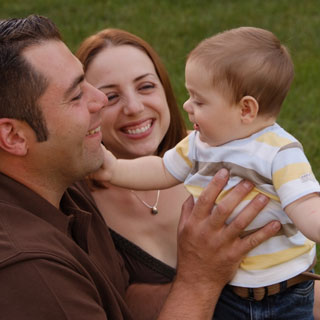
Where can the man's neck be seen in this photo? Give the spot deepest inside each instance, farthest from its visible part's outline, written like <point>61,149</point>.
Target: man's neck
<point>49,189</point>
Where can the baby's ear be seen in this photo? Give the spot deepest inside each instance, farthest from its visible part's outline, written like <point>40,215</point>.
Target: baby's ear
<point>249,109</point>
<point>12,137</point>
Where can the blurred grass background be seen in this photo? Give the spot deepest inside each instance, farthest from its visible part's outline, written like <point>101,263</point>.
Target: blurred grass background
<point>173,28</point>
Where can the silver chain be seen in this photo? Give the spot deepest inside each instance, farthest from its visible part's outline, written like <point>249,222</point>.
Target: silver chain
<point>154,208</point>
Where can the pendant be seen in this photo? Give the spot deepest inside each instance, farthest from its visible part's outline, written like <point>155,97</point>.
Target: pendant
<point>154,210</point>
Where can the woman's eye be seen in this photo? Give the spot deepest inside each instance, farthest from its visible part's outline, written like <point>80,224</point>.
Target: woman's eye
<point>147,86</point>
<point>112,96</point>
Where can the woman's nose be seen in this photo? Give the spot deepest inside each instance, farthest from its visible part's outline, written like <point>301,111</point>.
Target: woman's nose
<point>132,105</point>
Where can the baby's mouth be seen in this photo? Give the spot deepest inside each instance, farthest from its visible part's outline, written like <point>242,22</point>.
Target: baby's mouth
<point>196,126</point>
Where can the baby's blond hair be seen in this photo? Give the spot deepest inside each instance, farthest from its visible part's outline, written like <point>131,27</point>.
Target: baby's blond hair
<point>248,61</point>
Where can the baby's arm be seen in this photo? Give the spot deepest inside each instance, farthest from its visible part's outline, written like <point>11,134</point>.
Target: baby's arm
<point>305,213</point>
<point>145,173</point>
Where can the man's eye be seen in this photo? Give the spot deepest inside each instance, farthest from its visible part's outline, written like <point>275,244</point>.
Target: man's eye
<point>77,97</point>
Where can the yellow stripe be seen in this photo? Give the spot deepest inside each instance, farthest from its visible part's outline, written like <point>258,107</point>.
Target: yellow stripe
<point>290,172</point>
<point>196,191</point>
<point>183,149</point>
<point>254,192</point>
<point>265,261</point>
<point>273,139</point>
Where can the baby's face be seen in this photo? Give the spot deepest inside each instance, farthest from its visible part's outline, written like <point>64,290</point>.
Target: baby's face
<point>217,121</point>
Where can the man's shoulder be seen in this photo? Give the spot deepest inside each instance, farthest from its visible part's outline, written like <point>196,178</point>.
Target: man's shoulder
<point>27,236</point>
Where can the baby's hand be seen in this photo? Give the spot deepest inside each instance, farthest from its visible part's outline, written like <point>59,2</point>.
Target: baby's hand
<point>105,172</point>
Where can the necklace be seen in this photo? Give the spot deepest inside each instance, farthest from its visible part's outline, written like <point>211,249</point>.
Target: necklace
<point>154,209</point>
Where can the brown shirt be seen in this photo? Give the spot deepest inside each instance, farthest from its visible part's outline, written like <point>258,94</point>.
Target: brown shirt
<point>57,264</point>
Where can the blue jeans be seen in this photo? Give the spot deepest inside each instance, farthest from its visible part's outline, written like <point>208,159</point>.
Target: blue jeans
<point>294,303</point>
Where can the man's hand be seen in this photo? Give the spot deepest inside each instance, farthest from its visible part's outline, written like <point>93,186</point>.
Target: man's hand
<point>209,250</point>
<point>205,239</point>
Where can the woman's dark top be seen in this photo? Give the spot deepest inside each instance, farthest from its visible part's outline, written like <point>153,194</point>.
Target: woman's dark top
<point>142,267</point>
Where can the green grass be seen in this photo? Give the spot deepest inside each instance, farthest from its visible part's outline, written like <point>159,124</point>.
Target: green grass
<point>173,28</point>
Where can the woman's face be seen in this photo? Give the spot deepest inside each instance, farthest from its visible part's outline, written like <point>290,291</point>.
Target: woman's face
<point>137,115</point>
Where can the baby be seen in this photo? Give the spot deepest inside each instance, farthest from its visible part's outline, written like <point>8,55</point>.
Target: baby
<point>237,81</point>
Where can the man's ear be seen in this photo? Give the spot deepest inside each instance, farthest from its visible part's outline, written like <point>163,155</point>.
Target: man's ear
<point>249,109</point>
<point>12,137</point>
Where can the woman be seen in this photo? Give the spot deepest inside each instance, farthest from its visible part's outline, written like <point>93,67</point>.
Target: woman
<point>142,118</point>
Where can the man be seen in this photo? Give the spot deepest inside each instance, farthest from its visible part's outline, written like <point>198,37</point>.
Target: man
<point>57,259</point>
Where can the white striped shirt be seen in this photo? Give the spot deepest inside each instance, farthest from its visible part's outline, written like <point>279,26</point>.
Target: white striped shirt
<point>275,162</point>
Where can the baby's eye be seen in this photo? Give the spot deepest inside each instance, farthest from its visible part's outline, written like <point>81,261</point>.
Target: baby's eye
<point>198,103</point>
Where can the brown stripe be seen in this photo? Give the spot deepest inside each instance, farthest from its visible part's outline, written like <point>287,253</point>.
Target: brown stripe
<point>291,146</point>
<point>211,168</point>
<point>287,230</point>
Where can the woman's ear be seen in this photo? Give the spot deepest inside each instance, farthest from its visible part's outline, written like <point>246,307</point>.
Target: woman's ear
<point>249,109</point>
<point>12,137</point>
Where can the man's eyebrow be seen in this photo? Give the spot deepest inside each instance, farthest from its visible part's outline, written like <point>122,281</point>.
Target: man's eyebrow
<point>73,85</point>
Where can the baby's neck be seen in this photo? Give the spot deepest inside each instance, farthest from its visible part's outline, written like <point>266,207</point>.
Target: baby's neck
<point>260,123</point>
<point>245,130</point>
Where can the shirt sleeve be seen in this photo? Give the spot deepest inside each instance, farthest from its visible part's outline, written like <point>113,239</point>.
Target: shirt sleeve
<point>178,160</point>
<point>292,175</point>
<point>46,290</point>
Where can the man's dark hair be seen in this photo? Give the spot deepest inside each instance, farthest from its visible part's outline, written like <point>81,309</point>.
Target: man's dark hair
<point>21,85</point>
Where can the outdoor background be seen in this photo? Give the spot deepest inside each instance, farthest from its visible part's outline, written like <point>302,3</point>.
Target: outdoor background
<point>174,27</point>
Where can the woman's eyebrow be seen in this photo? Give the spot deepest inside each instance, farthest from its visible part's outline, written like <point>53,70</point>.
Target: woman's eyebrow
<point>143,76</point>
<point>107,86</point>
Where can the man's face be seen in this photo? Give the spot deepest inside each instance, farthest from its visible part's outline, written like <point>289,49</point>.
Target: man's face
<point>71,109</point>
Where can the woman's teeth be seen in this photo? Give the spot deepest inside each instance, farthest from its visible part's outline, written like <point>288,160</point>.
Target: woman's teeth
<point>139,130</point>
<point>93,131</point>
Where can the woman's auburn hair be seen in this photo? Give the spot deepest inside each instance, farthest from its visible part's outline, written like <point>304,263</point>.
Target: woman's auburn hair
<point>94,44</point>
